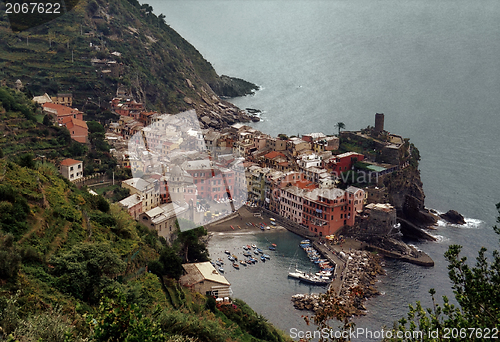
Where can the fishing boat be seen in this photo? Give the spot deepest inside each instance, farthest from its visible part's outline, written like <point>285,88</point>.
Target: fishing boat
<point>230,258</point>
<point>243,263</point>
<point>221,270</point>
<point>268,228</point>
<point>245,248</point>
<point>254,246</point>
<point>266,256</point>
<point>274,245</point>
<point>227,252</point>
<point>235,265</point>
<point>235,257</point>
<point>259,250</point>
<point>272,248</point>
<point>262,258</point>
<point>247,254</point>
<point>249,247</point>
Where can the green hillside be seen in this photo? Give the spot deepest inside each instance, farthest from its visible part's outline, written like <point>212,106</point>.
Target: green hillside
<point>155,63</point>
<point>73,267</point>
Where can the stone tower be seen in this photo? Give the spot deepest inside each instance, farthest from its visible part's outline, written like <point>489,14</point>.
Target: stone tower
<point>379,123</point>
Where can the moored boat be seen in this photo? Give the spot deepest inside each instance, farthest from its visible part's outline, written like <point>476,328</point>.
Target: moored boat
<point>235,265</point>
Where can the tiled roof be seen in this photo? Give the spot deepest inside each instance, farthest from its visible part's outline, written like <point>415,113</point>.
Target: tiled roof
<point>69,162</point>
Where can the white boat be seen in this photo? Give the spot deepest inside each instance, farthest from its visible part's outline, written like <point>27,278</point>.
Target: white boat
<point>297,274</point>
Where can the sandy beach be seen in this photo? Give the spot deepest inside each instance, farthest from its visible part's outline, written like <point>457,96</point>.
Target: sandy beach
<point>239,222</point>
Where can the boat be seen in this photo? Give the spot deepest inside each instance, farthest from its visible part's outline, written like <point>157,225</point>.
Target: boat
<point>262,228</point>
<point>230,258</point>
<point>268,228</point>
<point>272,248</point>
<point>254,246</point>
<point>245,248</point>
<point>274,245</point>
<point>266,256</point>
<point>297,274</point>
<point>232,227</point>
<point>259,250</point>
<point>249,247</point>
<point>262,258</point>
<point>305,241</point>
<point>249,262</point>
<point>221,270</point>
<point>217,262</point>
<point>239,227</point>
<point>235,265</point>
<point>247,254</point>
<point>243,263</point>
<point>272,219</point>
<point>227,252</point>
<point>314,280</point>
<point>256,252</point>
<point>235,257</point>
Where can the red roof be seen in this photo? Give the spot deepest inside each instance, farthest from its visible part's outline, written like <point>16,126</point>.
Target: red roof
<point>61,110</point>
<point>274,154</point>
<point>69,162</point>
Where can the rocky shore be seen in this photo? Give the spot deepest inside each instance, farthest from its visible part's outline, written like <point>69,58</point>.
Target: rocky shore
<point>357,277</point>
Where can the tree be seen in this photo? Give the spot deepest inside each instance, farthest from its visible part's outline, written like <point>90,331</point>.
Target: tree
<point>117,320</point>
<point>86,269</point>
<point>192,249</point>
<point>95,127</point>
<point>47,121</point>
<point>477,291</point>
<point>169,264</point>
<point>340,126</point>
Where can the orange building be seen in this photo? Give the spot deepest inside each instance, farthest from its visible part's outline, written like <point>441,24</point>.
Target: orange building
<point>60,112</point>
<point>77,128</point>
<point>328,210</point>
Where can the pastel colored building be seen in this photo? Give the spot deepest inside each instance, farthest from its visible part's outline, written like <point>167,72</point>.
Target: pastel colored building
<point>202,277</point>
<point>77,128</point>
<point>59,112</point>
<point>328,210</point>
<point>71,169</point>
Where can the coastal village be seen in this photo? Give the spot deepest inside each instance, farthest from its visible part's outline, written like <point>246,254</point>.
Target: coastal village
<point>326,188</point>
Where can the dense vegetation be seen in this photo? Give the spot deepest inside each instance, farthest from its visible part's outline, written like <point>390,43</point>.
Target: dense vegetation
<point>74,267</point>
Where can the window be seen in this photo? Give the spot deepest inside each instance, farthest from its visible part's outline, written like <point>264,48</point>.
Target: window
<point>71,168</point>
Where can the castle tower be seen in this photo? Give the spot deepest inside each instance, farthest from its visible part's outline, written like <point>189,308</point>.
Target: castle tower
<point>379,123</point>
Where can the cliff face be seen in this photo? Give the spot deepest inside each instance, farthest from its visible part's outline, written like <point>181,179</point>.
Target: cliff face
<point>100,45</point>
<point>405,192</point>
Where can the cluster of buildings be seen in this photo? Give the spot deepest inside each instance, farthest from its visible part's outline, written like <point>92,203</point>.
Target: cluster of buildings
<point>198,170</point>
<point>59,109</point>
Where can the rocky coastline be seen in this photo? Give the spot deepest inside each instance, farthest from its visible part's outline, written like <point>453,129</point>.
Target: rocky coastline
<point>358,279</point>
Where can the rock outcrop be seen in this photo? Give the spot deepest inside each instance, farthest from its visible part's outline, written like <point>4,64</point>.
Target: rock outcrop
<point>453,217</point>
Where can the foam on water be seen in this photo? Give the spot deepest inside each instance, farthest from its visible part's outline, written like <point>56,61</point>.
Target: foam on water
<point>470,223</point>
<point>440,238</point>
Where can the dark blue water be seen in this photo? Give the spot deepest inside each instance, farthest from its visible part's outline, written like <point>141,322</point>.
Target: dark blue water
<point>431,67</point>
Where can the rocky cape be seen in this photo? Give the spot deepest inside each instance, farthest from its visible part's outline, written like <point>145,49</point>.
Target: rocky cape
<point>119,43</point>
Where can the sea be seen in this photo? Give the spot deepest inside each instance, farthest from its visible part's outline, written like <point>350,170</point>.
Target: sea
<point>431,67</point>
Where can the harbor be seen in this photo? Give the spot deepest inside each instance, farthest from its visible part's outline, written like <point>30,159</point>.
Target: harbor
<point>312,265</point>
